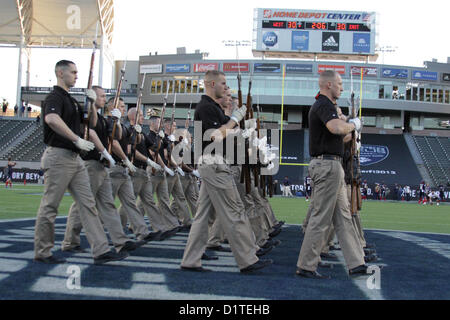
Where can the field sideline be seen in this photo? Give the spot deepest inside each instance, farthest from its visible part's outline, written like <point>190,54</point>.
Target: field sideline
<point>23,201</point>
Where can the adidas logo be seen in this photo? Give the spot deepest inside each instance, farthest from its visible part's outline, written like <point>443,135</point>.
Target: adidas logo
<point>330,42</point>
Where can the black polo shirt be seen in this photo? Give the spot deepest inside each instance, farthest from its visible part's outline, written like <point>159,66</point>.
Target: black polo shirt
<point>143,147</point>
<point>59,101</point>
<point>103,130</point>
<point>321,140</point>
<point>124,141</point>
<point>212,116</point>
<point>165,145</point>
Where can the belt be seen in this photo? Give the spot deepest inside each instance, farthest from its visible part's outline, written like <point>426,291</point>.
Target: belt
<point>328,157</point>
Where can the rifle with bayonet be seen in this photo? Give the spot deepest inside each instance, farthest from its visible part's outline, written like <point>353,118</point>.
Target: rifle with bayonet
<point>138,114</point>
<point>116,105</point>
<point>161,121</point>
<point>87,102</point>
<point>245,174</point>
<point>355,170</point>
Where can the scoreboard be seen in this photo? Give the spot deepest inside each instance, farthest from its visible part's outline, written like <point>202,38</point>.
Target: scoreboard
<point>296,32</point>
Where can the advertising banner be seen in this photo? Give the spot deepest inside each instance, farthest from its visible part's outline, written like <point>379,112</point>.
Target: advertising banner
<point>298,68</point>
<point>361,42</point>
<point>235,67</point>
<point>300,40</point>
<point>338,69</point>
<point>330,41</point>
<point>395,73</point>
<point>150,68</point>
<point>367,71</point>
<point>203,67</point>
<point>178,68</point>
<point>424,75</point>
<point>267,67</point>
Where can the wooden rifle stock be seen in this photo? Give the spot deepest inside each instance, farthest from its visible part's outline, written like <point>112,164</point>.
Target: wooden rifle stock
<point>161,120</point>
<point>87,101</point>
<point>245,174</point>
<point>116,105</point>
<point>356,199</point>
<point>138,114</point>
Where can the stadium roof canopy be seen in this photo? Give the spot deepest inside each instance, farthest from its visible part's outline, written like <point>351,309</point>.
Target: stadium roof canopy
<point>55,23</point>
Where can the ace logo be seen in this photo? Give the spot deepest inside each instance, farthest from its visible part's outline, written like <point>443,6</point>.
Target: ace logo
<point>270,39</point>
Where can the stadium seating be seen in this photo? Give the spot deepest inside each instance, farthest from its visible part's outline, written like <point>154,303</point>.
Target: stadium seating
<point>434,152</point>
<point>11,130</point>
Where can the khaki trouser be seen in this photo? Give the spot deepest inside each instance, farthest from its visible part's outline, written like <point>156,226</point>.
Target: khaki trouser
<point>101,189</point>
<point>143,192</point>
<point>64,169</point>
<point>190,189</point>
<point>356,220</point>
<point>219,195</point>
<point>159,184</point>
<point>123,188</point>
<point>331,205</point>
<point>181,208</point>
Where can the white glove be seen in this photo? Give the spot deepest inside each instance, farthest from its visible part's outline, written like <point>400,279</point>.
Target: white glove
<point>90,93</point>
<point>250,123</point>
<point>137,128</point>
<point>180,171</point>
<point>184,142</point>
<point>84,144</point>
<point>130,166</point>
<point>196,173</point>
<point>116,113</point>
<point>268,157</point>
<point>172,138</point>
<point>270,166</point>
<point>357,123</point>
<point>169,171</point>
<point>153,164</point>
<point>247,133</point>
<point>107,156</point>
<point>161,134</point>
<point>238,114</point>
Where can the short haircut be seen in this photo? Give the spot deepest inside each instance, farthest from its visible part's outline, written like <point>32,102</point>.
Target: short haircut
<point>63,64</point>
<point>111,100</point>
<point>328,75</point>
<point>97,88</point>
<point>212,75</point>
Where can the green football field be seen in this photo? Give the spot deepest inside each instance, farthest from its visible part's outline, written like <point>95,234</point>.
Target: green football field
<point>23,201</point>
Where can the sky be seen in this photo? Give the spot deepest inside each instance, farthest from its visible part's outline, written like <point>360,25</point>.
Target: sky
<point>417,31</point>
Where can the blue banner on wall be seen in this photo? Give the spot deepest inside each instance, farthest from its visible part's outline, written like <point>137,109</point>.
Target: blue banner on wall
<point>178,68</point>
<point>424,75</point>
<point>298,68</point>
<point>300,40</point>
<point>266,67</point>
<point>394,73</point>
<point>361,42</point>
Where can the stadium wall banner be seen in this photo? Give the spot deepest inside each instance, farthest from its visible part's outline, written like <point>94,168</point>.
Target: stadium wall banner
<point>21,174</point>
<point>424,75</point>
<point>203,67</point>
<point>299,68</point>
<point>367,71</point>
<point>446,77</point>
<point>394,73</point>
<point>235,67</point>
<point>324,67</point>
<point>178,68</point>
<point>150,68</point>
<point>267,67</point>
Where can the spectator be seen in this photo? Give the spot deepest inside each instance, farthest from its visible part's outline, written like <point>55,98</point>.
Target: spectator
<point>9,174</point>
<point>15,110</point>
<point>275,187</point>
<point>365,189</point>
<point>407,191</point>
<point>396,192</point>
<point>287,188</point>
<point>4,106</point>
<point>441,192</point>
<point>376,193</point>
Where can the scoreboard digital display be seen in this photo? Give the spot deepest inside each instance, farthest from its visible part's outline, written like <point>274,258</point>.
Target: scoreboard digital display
<point>314,31</point>
<point>302,25</point>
